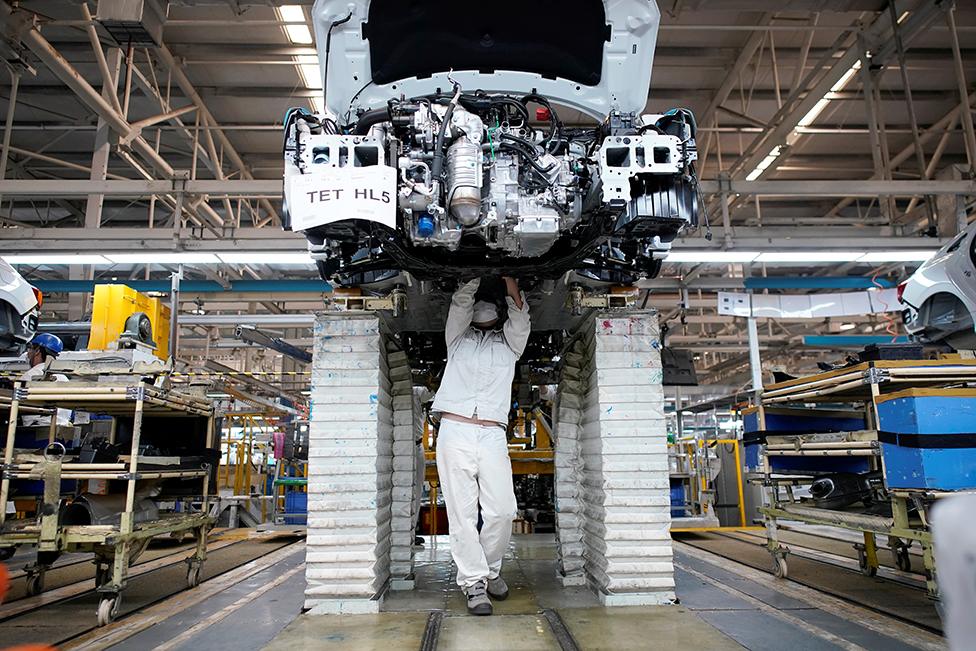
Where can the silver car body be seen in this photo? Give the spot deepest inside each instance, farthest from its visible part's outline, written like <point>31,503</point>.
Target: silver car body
<point>18,310</point>
<point>939,299</point>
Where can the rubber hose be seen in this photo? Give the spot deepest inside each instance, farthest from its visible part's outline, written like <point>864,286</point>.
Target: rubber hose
<point>368,119</point>
<point>438,162</point>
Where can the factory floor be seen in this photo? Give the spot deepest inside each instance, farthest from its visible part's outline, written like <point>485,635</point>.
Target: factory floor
<point>723,605</point>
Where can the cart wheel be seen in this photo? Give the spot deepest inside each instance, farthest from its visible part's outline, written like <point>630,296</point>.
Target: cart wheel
<point>108,609</point>
<point>193,575</point>
<point>903,559</point>
<point>862,563</point>
<point>780,568</point>
<point>35,584</point>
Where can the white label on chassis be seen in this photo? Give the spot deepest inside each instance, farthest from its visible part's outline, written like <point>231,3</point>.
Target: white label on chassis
<point>341,193</point>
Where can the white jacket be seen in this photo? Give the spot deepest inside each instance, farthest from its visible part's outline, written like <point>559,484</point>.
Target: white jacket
<point>477,382</point>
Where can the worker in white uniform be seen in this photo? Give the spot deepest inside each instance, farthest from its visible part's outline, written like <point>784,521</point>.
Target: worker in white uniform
<point>473,466</point>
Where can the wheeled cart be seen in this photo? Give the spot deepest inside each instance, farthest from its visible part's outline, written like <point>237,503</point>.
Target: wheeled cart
<point>157,495</point>
<point>877,444</point>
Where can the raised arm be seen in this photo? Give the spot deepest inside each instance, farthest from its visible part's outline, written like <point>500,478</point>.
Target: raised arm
<point>462,309</point>
<point>518,325</point>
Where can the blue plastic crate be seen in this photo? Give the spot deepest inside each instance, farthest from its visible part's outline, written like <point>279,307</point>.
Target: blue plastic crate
<point>929,438</point>
<point>678,499</point>
<point>296,507</point>
<point>787,420</point>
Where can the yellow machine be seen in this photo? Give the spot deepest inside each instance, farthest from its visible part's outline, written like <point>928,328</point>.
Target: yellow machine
<point>115,317</point>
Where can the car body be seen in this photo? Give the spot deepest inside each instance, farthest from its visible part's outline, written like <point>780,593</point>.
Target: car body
<point>429,160</point>
<point>939,299</point>
<point>19,306</point>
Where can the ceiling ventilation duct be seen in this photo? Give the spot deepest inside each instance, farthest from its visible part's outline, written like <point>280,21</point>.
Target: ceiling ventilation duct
<point>139,22</point>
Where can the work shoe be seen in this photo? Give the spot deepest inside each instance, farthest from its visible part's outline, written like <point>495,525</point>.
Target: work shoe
<point>478,602</point>
<point>497,588</point>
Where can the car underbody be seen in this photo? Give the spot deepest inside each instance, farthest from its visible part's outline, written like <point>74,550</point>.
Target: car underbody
<point>602,203</point>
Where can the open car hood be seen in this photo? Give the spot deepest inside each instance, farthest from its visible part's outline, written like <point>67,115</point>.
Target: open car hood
<point>591,55</point>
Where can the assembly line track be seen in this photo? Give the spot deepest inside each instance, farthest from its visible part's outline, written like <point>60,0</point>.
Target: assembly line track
<point>901,600</point>
<point>886,571</point>
<point>68,613</point>
<point>52,595</point>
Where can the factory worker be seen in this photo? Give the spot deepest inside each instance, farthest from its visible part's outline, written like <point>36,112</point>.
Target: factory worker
<point>473,400</point>
<point>40,350</point>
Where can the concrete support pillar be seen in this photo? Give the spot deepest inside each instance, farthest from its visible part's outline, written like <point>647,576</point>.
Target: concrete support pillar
<point>623,446</point>
<point>350,465</point>
<point>405,435</point>
<point>569,468</point>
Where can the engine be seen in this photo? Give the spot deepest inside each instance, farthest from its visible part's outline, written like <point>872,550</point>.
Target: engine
<point>466,180</point>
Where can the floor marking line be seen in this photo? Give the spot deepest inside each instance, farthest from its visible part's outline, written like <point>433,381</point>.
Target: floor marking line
<point>774,612</point>
<point>106,636</point>
<point>869,619</point>
<point>227,610</point>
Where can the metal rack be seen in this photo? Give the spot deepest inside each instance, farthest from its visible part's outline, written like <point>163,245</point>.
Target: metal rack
<point>862,386</point>
<point>116,546</point>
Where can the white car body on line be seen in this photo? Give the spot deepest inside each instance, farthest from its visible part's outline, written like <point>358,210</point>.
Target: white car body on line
<point>939,299</point>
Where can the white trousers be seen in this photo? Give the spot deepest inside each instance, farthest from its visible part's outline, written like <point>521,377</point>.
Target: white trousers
<point>474,468</point>
<point>420,470</point>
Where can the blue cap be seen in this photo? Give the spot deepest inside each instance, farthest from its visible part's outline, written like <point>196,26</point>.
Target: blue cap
<point>425,225</point>
<point>51,343</point>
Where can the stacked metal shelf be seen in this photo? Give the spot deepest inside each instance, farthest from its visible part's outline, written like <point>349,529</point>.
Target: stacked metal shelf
<point>115,545</point>
<point>878,444</point>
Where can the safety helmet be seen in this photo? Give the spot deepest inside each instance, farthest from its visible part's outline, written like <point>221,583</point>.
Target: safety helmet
<point>51,344</point>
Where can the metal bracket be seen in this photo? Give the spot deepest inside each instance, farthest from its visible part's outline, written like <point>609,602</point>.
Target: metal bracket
<point>577,301</point>
<point>395,301</point>
<point>876,375</point>
<point>724,184</point>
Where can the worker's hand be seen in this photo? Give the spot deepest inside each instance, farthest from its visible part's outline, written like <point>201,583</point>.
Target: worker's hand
<point>512,289</point>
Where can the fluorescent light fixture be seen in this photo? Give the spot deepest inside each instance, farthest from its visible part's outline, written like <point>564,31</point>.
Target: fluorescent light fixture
<point>764,163</point>
<point>809,256</point>
<point>897,256</point>
<point>308,66</point>
<point>56,258</point>
<point>806,120</point>
<point>844,327</point>
<point>297,34</point>
<point>162,258</point>
<point>818,108</point>
<point>266,258</point>
<point>712,256</point>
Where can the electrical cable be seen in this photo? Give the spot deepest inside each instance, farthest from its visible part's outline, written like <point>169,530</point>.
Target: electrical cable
<point>328,49</point>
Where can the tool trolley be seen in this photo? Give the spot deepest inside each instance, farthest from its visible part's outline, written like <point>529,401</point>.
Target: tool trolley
<point>877,444</point>
<point>152,494</point>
